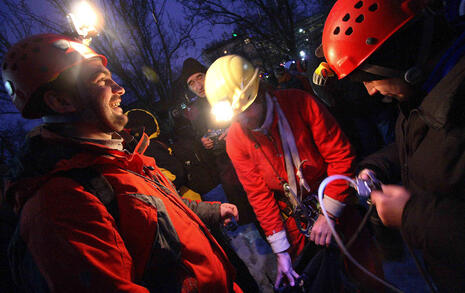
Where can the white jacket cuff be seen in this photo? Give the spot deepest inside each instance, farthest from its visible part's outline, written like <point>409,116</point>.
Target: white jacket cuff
<point>332,206</point>
<point>278,241</point>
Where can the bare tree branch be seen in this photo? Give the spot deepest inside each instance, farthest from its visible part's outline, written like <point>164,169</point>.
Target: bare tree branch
<point>140,48</point>
<point>270,22</point>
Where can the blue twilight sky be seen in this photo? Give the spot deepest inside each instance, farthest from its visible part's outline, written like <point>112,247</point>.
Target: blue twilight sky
<point>202,36</point>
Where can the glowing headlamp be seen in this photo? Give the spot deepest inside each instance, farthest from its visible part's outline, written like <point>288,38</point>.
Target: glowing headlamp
<point>84,20</point>
<point>223,111</point>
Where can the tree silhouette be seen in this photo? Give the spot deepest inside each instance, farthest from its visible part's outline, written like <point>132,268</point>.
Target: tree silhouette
<point>269,21</point>
<point>140,39</point>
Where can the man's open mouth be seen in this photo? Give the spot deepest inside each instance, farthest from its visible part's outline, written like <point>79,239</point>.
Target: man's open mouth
<point>115,105</point>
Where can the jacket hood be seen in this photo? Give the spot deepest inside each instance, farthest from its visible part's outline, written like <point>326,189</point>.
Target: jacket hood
<point>39,156</point>
<point>33,165</point>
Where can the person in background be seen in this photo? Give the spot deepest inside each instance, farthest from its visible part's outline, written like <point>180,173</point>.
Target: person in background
<point>407,51</point>
<point>141,121</point>
<point>286,80</point>
<point>212,135</point>
<point>93,216</point>
<point>201,174</point>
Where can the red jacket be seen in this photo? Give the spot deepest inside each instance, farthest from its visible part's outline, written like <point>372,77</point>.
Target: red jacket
<point>319,140</point>
<point>74,240</point>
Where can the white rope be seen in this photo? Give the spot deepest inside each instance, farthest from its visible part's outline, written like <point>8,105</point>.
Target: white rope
<point>339,242</point>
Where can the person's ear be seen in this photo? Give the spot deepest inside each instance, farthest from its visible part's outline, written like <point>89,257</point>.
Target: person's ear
<point>59,102</point>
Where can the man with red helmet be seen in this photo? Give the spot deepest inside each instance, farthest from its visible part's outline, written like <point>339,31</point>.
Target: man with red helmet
<point>405,50</point>
<point>119,229</point>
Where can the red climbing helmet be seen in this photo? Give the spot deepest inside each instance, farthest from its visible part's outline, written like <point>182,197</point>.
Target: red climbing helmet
<point>36,61</point>
<point>355,29</point>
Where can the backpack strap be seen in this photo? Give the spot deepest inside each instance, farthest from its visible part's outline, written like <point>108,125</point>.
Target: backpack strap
<point>94,182</point>
<point>25,273</point>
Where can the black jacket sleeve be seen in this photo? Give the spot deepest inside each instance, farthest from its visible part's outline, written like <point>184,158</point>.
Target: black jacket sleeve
<point>208,212</point>
<point>385,163</point>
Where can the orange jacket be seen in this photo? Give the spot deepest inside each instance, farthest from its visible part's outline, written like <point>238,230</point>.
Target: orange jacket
<point>77,246</point>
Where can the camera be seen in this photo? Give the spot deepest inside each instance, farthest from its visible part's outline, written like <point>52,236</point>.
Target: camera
<point>214,135</point>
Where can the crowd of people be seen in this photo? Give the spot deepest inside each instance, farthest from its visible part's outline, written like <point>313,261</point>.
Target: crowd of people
<point>105,202</point>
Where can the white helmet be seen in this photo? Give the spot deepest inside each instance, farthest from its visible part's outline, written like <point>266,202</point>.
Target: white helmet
<point>231,85</point>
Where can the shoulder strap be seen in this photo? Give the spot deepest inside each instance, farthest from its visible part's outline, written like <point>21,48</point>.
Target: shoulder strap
<point>94,182</point>
<point>25,274</point>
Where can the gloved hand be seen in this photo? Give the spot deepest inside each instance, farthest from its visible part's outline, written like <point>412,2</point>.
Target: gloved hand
<point>285,269</point>
<point>322,74</point>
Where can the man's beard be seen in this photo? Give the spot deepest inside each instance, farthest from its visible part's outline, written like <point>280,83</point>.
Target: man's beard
<point>104,119</point>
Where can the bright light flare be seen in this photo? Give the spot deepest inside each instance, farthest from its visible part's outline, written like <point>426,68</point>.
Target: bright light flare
<point>85,14</point>
<point>223,111</point>
<point>86,19</point>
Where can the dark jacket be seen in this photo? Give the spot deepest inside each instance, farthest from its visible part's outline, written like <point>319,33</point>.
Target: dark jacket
<point>200,117</point>
<point>429,157</point>
<point>201,175</point>
<point>202,122</point>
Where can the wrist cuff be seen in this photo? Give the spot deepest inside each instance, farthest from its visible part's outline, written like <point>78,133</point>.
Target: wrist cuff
<point>334,207</point>
<point>278,241</point>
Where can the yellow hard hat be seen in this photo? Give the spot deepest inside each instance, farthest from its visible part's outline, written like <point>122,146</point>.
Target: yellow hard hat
<point>231,85</point>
